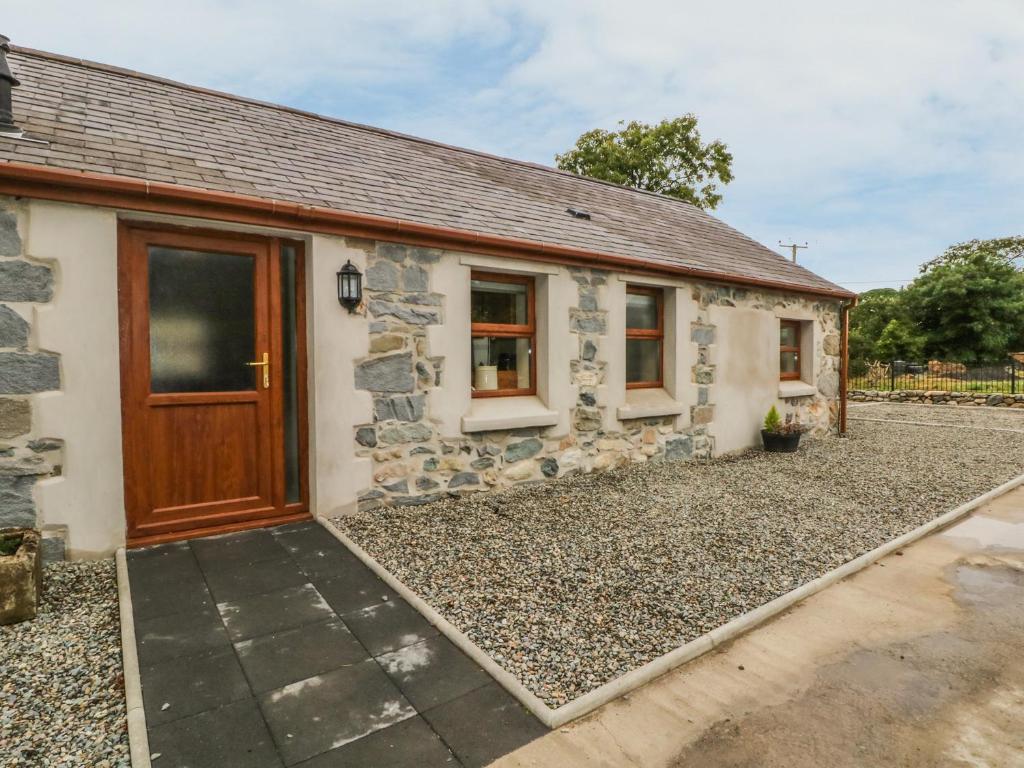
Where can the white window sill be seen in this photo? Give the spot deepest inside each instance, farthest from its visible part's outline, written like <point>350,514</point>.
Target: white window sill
<point>796,389</point>
<point>648,403</point>
<point>488,414</point>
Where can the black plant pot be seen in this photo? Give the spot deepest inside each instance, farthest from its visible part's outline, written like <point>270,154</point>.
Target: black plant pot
<point>775,442</point>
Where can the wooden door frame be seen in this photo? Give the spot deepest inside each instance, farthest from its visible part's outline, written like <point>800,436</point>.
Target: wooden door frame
<point>128,283</point>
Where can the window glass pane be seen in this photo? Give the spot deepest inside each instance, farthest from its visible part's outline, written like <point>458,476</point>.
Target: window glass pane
<point>290,375</point>
<point>790,362</point>
<point>201,321</point>
<point>495,302</point>
<point>788,336</point>
<point>501,363</point>
<point>643,360</point>
<point>641,311</point>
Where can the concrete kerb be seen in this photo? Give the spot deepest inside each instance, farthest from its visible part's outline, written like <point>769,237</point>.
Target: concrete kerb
<point>553,718</point>
<point>138,737</point>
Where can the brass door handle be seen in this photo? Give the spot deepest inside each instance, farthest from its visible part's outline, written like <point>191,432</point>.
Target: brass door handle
<point>265,365</point>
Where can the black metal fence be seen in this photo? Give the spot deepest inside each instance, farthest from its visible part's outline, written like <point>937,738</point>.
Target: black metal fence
<point>1004,376</point>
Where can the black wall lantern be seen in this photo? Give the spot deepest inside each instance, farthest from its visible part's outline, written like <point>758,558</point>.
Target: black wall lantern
<point>350,286</point>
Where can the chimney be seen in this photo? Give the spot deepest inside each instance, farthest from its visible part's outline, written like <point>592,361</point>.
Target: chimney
<point>7,82</point>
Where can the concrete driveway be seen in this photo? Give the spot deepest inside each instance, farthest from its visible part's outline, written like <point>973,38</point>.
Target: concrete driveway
<point>916,661</point>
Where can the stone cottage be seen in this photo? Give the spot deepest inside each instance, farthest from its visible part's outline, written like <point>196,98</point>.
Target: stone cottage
<point>217,313</point>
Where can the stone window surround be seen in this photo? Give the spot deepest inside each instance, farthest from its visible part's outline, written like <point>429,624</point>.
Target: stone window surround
<point>809,337</point>
<point>678,392</point>
<point>456,410</point>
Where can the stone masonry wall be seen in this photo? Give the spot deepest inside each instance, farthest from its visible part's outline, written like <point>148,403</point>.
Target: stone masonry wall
<point>25,370</point>
<point>936,397</point>
<point>414,464</point>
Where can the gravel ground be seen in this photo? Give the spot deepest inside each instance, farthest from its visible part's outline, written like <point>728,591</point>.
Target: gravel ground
<point>573,583</point>
<point>61,684</point>
<point>960,415</point>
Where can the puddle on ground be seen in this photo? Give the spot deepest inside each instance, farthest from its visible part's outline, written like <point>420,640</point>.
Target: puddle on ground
<point>988,532</point>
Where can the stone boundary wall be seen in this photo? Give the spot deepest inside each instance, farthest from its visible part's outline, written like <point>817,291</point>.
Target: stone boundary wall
<point>936,397</point>
<point>25,370</point>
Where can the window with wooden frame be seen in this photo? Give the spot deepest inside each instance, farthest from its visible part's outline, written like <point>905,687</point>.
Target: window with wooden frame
<point>645,337</point>
<point>789,350</point>
<point>504,331</point>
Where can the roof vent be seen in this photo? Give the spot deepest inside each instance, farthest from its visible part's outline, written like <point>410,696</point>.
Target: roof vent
<point>578,213</point>
<point>7,82</point>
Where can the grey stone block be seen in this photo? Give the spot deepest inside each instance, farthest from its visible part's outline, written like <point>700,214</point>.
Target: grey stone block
<point>17,509</point>
<point>10,240</point>
<point>828,384</point>
<point>406,433</point>
<point>22,373</point>
<point>524,449</point>
<point>464,478</point>
<point>425,255</point>
<point>382,276</point>
<point>393,251</point>
<point>15,417</point>
<point>386,374</point>
<point>366,436</point>
<point>415,279</point>
<point>13,329</point>
<point>44,444</point>
<point>679,448</point>
<point>485,462</point>
<point>589,350</point>
<point>54,549</point>
<point>401,408</point>
<point>22,281</point>
<point>588,322</point>
<point>588,302</point>
<point>410,315</point>
<point>703,334</point>
<point>549,467</point>
<point>424,483</point>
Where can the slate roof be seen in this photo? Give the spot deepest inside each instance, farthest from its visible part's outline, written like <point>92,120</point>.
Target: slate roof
<point>110,120</point>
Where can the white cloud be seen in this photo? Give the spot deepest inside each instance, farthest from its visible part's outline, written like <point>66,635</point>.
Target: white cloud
<point>881,132</point>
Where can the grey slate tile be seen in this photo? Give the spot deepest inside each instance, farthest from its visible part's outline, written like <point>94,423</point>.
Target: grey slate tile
<point>330,710</point>
<point>432,672</point>
<point>275,611</point>
<point>248,579</point>
<point>408,744</point>
<point>231,550</point>
<point>179,687</point>
<point>484,724</point>
<point>180,634</point>
<point>388,626</point>
<point>353,588</point>
<point>232,736</point>
<point>273,661</point>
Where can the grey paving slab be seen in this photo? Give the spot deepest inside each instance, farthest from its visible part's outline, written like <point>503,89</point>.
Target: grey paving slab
<point>246,579</point>
<point>353,588</point>
<point>233,549</point>
<point>280,647</point>
<point>273,661</point>
<point>483,725</point>
<point>304,538</point>
<point>232,736</point>
<point>432,672</point>
<point>176,688</point>
<point>388,626</point>
<point>327,711</point>
<point>273,611</point>
<point>180,634</point>
<point>408,744</point>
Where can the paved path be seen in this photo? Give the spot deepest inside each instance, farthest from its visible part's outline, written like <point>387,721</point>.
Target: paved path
<point>916,661</point>
<point>278,647</point>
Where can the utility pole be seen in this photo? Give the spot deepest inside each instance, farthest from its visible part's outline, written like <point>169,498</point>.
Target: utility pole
<point>793,247</point>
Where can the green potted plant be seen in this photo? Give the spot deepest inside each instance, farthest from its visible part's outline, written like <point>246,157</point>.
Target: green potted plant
<point>780,436</point>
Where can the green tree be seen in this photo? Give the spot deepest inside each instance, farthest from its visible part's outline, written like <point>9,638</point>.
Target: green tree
<point>969,303</point>
<point>1006,249</point>
<point>875,310</point>
<point>668,158</point>
<point>899,340</point>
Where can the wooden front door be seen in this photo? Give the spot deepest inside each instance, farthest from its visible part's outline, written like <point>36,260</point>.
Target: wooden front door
<point>212,381</point>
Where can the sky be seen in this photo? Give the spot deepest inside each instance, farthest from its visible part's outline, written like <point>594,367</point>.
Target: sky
<point>878,133</point>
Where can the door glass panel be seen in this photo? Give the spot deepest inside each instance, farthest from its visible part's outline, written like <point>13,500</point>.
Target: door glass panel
<point>201,321</point>
<point>494,302</point>
<point>643,360</point>
<point>641,311</point>
<point>290,375</point>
